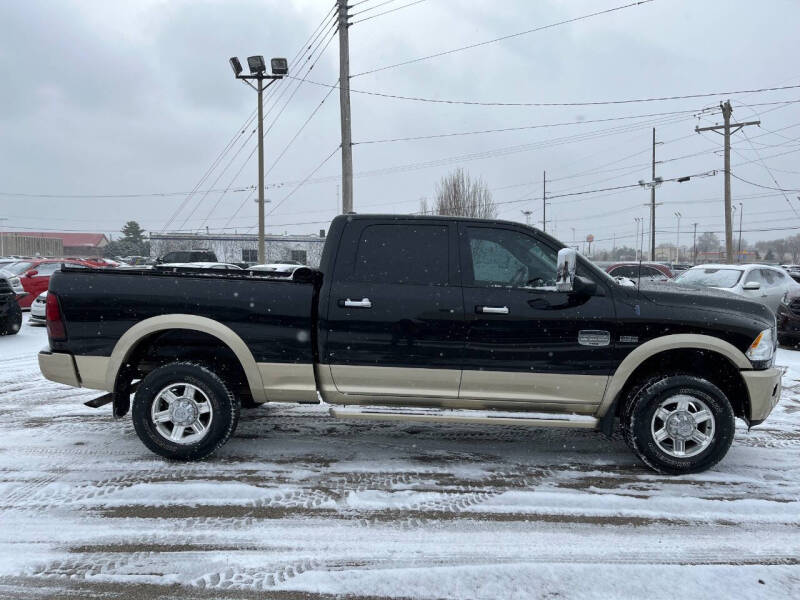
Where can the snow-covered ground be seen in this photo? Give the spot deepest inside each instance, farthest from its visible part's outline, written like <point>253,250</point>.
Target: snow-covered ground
<point>299,505</point>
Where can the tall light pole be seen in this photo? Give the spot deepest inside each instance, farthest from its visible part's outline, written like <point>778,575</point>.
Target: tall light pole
<point>527,214</point>
<point>636,239</point>
<point>678,239</point>
<point>258,69</point>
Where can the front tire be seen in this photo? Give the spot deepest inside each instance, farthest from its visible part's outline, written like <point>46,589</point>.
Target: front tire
<point>184,411</point>
<point>678,424</point>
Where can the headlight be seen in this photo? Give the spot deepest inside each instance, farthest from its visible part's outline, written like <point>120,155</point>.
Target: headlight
<point>762,348</point>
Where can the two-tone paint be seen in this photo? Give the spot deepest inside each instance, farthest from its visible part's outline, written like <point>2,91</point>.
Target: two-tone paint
<point>414,345</point>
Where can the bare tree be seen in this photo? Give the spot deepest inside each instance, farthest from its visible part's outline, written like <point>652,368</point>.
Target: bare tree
<point>457,194</point>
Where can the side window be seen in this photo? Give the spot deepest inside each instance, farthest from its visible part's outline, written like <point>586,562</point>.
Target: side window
<point>770,277</point>
<point>653,273</point>
<point>626,271</point>
<point>400,253</point>
<point>47,269</point>
<point>503,257</point>
<point>755,276</point>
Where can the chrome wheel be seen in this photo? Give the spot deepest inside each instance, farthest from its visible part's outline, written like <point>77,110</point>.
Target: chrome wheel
<point>682,426</point>
<point>182,413</point>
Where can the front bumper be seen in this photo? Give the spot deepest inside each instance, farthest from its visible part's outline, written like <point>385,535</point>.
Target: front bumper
<point>764,389</point>
<point>59,367</point>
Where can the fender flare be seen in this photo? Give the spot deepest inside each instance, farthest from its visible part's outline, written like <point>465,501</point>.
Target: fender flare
<point>666,343</point>
<point>131,338</point>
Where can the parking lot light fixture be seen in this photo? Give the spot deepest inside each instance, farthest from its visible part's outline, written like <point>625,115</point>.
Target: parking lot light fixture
<point>258,72</point>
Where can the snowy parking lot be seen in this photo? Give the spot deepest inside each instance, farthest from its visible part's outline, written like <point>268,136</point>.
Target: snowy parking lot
<point>299,505</point>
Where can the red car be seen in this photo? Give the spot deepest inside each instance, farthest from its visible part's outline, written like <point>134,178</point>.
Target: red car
<point>34,273</point>
<point>649,271</point>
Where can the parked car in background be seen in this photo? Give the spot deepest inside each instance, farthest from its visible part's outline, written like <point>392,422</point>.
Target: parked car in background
<point>10,312</point>
<point>201,265</point>
<point>793,271</point>
<point>282,270</point>
<point>758,282</point>
<point>38,312</point>
<point>788,318</point>
<point>650,271</point>
<point>34,274</point>
<point>187,256</point>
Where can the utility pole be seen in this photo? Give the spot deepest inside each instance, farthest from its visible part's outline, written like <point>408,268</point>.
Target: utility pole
<point>739,253</point>
<point>344,110</point>
<point>527,214</point>
<point>262,252</point>
<point>653,204</point>
<point>544,201</point>
<point>678,239</point>
<point>694,245</point>
<point>727,130</point>
<point>652,184</point>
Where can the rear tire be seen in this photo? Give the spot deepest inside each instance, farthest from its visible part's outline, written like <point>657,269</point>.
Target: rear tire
<point>678,424</point>
<point>13,321</point>
<point>184,411</point>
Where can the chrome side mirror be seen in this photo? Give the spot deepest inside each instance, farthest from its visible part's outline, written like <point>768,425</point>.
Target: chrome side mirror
<point>565,269</point>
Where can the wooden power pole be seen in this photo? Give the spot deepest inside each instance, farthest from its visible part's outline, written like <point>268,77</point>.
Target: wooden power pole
<point>344,109</point>
<point>727,129</point>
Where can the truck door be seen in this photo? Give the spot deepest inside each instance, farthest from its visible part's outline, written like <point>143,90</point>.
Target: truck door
<point>395,317</point>
<point>528,345</point>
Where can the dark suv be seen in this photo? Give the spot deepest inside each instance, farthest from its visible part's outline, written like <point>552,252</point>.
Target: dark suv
<point>10,312</point>
<point>187,256</point>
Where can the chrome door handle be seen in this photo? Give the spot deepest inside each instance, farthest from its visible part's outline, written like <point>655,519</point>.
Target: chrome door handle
<point>492,310</point>
<point>363,303</point>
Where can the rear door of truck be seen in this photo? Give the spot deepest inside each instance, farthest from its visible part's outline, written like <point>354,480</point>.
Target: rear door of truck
<point>395,317</point>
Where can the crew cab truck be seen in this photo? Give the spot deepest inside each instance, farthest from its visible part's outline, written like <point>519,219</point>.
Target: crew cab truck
<point>420,319</point>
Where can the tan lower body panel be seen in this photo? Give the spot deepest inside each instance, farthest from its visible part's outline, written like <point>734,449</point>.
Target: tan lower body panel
<point>288,382</point>
<point>389,381</point>
<point>92,370</point>
<point>538,389</point>
<point>498,390</point>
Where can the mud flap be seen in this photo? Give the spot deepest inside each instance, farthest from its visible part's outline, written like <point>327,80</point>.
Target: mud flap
<point>122,400</point>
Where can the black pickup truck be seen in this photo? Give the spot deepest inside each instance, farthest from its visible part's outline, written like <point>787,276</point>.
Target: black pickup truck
<point>426,319</point>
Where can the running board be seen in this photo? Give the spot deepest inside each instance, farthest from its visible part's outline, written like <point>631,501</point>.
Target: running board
<point>449,415</point>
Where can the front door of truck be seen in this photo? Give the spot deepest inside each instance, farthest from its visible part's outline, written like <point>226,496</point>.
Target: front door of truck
<point>529,345</point>
<point>395,317</point>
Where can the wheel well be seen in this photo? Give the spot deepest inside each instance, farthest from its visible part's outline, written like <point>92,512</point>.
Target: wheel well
<point>170,345</point>
<point>705,363</point>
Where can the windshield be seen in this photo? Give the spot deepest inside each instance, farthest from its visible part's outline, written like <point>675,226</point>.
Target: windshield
<point>18,268</point>
<point>722,278</point>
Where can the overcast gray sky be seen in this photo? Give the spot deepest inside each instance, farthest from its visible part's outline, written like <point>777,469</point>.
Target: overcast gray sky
<point>136,98</point>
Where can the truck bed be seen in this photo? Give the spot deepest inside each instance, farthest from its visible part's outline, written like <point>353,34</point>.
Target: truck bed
<point>273,317</point>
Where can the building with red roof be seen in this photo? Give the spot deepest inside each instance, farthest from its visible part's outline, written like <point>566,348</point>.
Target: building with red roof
<point>75,244</point>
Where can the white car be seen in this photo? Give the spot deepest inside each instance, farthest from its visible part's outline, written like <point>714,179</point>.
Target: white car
<point>758,282</point>
<point>284,270</point>
<point>201,265</point>
<point>38,310</point>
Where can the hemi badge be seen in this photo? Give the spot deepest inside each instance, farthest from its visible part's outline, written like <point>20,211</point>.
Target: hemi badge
<point>594,337</point>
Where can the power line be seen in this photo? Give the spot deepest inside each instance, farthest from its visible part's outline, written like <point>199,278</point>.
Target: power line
<point>766,187</point>
<point>380,14</point>
<point>519,128</point>
<point>561,104</point>
<point>505,37</point>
